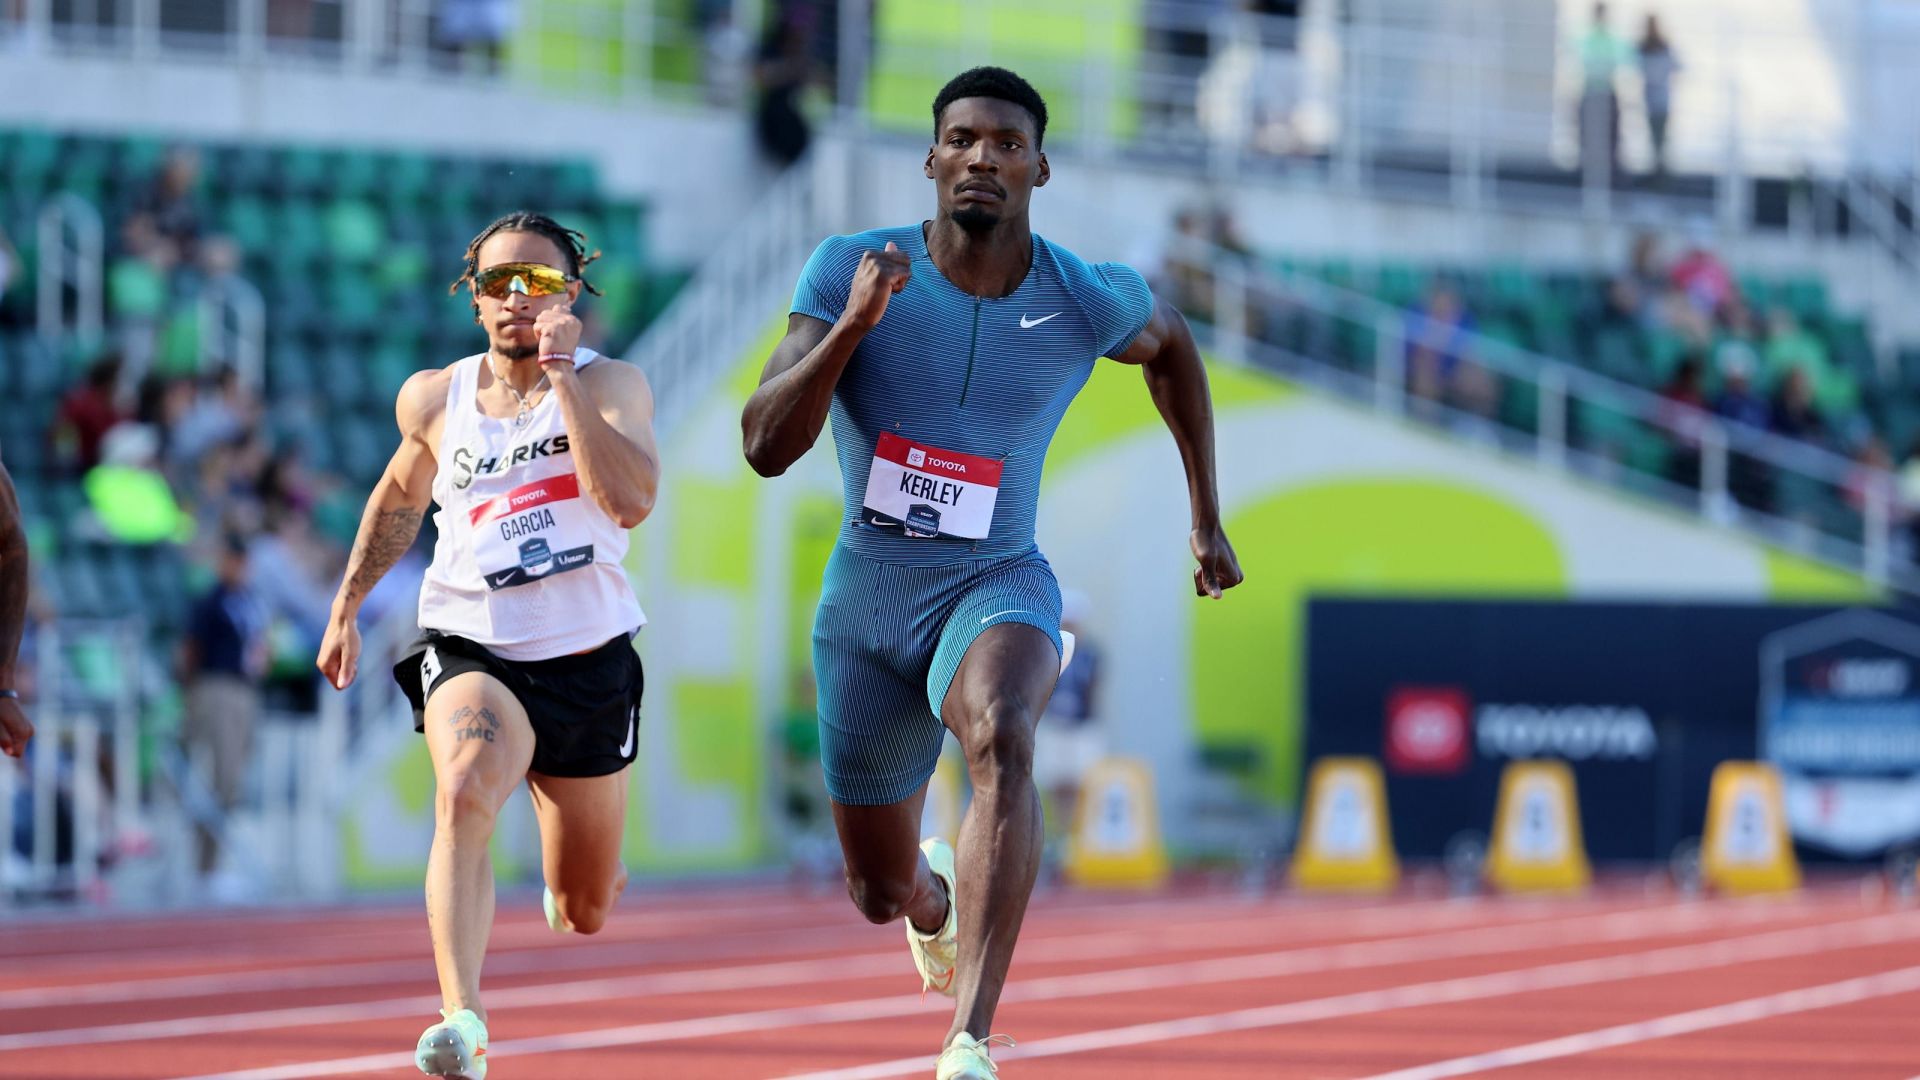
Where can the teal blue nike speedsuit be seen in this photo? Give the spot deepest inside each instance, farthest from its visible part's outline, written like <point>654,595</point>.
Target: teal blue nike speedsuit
<point>942,420</point>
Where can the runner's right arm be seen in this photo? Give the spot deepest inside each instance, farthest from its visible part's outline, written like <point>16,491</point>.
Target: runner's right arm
<point>390,524</point>
<point>784,416</point>
<point>15,729</point>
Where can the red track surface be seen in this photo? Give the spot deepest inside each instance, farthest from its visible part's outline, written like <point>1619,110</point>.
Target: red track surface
<point>754,983</point>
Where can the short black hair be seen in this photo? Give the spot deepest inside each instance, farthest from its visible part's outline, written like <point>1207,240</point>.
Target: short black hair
<point>571,242</point>
<point>993,82</point>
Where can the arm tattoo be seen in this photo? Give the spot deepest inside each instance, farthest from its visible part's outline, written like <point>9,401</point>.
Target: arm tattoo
<point>384,537</point>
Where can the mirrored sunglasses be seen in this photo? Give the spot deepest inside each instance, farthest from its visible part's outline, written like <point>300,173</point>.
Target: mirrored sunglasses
<point>528,279</point>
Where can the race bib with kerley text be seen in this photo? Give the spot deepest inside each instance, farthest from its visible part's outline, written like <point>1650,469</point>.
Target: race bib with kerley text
<point>928,491</point>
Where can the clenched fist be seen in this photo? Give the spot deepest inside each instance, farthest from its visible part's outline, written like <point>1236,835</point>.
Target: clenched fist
<point>559,330</point>
<point>881,274</point>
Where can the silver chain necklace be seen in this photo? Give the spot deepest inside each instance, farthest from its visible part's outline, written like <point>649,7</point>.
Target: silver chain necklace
<point>526,407</point>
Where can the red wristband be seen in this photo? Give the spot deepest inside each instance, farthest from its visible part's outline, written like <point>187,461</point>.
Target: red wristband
<point>555,357</point>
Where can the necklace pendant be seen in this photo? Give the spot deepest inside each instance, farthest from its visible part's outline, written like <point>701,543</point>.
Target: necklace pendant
<point>520,418</point>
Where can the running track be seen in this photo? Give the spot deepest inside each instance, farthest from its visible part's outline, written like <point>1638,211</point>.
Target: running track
<point>764,983</point>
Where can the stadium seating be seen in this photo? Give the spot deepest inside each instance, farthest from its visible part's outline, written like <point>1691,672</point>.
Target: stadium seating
<point>351,248</point>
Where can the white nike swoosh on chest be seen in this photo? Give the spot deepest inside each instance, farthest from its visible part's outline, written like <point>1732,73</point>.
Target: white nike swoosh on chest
<point>1025,325</point>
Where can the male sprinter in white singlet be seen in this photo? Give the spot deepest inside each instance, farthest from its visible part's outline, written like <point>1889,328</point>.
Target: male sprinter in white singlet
<point>541,456</point>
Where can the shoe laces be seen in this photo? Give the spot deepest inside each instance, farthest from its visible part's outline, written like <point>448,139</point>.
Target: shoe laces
<point>980,1047</point>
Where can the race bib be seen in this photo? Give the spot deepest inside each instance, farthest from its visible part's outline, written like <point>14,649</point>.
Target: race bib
<point>928,491</point>
<point>535,531</point>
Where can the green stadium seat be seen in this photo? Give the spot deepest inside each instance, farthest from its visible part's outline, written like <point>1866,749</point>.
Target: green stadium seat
<point>250,223</point>
<point>1805,297</point>
<point>247,168</point>
<point>403,267</point>
<point>355,231</point>
<point>575,184</point>
<point>1400,284</point>
<point>299,228</point>
<point>305,171</point>
<point>30,159</point>
<point>136,289</point>
<point>179,347</point>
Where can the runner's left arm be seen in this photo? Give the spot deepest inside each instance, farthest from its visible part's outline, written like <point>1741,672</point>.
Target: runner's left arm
<point>609,417</point>
<point>1177,379</point>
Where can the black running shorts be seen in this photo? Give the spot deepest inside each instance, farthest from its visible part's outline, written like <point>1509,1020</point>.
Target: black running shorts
<point>585,708</point>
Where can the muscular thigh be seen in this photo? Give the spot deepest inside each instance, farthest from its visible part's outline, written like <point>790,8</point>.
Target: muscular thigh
<point>872,638</point>
<point>582,821</point>
<point>478,734</point>
<point>1009,609</point>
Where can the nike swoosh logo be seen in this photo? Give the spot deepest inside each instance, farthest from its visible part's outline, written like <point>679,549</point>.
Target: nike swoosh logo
<point>1025,325</point>
<point>633,727</point>
<point>1009,611</point>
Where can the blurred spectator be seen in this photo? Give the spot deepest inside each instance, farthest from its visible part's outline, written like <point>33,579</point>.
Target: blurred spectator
<point>1684,410</point>
<point>222,659</point>
<point>1602,53</point>
<point>222,410</point>
<point>1700,275</point>
<point>128,500</point>
<point>86,414</point>
<point>1747,476</point>
<point>1202,238</point>
<point>1737,401</point>
<point>1070,738</point>
<point>172,203</point>
<point>726,50</point>
<point>1658,65</point>
<point>1794,414</point>
<point>1790,347</point>
<point>1909,488</point>
<point>1871,462</point>
<point>1644,266</point>
<point>1439,369</point>
<point>1247,94</point>
<point>473,33</point>
<point>9,263</point>
<point>1627,305</point>
<point>138,286</point>
<point>784,71</point>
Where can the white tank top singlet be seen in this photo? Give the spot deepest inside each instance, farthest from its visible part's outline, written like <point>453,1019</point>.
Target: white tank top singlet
<point>527,563</point>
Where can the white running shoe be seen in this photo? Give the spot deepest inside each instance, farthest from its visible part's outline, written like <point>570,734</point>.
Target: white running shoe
<point>935,954</point>
<point>553,913</point>
<point>965,1058</point>
<point>456,1047</point>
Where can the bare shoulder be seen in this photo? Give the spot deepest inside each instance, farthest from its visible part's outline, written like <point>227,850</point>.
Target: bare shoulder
<point>613,381</point>
<point>423,400</point>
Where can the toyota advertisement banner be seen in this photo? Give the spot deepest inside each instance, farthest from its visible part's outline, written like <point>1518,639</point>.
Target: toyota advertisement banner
<point>1641,700</point>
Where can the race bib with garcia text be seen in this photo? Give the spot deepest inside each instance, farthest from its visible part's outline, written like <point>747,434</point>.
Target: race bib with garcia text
<point>928,491</point>
<point>535,531</point>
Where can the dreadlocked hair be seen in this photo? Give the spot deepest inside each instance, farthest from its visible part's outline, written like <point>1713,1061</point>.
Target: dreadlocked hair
<point>571,242</point>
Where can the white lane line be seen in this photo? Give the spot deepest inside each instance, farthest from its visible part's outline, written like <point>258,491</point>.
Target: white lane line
<point>391,937</point>
<point>1105,945</point>
<point>1388,952</point>
<point>1844,992</point>
<point>1772,945</point>
<point>845,932</point>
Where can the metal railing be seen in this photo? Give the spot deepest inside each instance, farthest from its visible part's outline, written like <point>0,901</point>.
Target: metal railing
<point>1395,93</point>
<point>722,310</point>
<point>1570,419</point>
<point>233,328</point>
<point>72,264</point>
<point>79,787</point>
